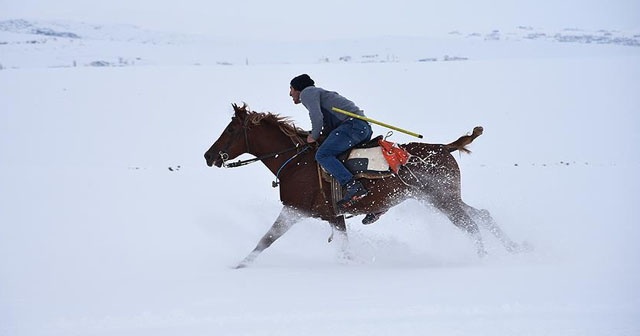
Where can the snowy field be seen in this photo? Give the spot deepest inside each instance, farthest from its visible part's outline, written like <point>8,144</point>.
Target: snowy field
<point>112,224</point>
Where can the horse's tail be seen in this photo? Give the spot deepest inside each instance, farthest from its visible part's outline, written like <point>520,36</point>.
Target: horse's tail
<point>464,140</point>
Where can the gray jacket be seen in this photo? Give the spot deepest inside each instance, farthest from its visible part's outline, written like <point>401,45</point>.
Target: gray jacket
<point>320,102</point>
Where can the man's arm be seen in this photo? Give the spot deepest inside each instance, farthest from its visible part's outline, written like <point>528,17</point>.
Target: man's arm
<point>310,98</point>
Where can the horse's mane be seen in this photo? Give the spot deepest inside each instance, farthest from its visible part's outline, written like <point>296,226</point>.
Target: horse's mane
<point>285,124</point>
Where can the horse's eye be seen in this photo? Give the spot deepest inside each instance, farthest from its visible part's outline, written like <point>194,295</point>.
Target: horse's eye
<point>230,128</point>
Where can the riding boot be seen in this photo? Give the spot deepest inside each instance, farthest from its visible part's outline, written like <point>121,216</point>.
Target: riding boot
<point>354,191</point>
<point>372,217</point>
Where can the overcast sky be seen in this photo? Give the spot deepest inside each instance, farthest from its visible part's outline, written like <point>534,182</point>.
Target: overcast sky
<point>327,19</point>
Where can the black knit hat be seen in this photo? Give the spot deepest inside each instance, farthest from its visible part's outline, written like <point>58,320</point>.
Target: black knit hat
<point>300,82</point>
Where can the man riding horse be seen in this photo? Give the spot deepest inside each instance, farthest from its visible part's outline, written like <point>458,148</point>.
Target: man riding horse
<point>431,174</point>
<point>341,131</point>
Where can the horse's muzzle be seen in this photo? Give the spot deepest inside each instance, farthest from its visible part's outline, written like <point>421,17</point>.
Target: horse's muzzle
<point>215,160</point>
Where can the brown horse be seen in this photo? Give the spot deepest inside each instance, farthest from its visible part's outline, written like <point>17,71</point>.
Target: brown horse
<point>431,175</point>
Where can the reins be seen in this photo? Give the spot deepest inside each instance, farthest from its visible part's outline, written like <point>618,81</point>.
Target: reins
<point>240,163</point>
<point>275,183</point>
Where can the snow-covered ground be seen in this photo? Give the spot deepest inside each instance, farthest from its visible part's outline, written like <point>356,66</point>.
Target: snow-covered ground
<point>111,223</point>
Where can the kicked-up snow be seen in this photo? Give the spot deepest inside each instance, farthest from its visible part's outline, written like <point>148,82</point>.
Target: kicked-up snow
<point>112,224</point>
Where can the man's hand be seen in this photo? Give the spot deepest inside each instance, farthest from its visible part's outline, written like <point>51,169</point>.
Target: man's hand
<point>310,139</point>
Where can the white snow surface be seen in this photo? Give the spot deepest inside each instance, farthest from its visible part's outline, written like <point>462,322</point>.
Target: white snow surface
<point>112,224</point>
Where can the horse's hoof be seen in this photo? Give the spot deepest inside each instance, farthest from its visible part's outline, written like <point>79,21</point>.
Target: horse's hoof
<point>524,247</point>
<point>242,265</point>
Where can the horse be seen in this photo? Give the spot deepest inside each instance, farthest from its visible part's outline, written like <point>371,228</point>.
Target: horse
<point>431,176</point>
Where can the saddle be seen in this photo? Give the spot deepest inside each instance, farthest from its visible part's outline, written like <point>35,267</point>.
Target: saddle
<point>366,160</point>
<point>374,159</point>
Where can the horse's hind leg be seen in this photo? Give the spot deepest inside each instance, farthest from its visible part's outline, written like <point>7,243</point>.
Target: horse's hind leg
<point>456,213</point>
<point>338,225</point>
<point>484,217</point>
<point>286,219</point>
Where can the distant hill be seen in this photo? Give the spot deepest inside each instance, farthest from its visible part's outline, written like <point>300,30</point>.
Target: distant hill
<point>573,35</point>
<point>82,30</point>
<point>31,43</point>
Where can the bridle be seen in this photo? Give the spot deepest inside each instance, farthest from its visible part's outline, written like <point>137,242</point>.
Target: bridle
<point>225,157</point>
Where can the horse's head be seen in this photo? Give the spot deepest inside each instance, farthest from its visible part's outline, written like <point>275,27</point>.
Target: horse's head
<point>233,140</point>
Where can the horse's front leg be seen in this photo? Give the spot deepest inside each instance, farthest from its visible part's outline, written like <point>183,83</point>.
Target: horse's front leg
<point>286,219</point>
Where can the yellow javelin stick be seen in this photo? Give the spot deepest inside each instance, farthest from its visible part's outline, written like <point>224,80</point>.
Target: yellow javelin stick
<point>376,122</point>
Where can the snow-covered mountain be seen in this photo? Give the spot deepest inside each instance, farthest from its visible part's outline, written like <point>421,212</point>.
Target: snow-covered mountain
<point>25,44</point>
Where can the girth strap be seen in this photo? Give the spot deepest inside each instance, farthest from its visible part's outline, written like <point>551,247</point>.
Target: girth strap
<point>336,195</point>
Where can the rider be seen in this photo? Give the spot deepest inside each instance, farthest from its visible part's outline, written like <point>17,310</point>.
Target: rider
<point>342,132</point>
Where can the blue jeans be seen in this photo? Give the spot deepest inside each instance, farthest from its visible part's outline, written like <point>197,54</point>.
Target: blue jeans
<point>348,134</point>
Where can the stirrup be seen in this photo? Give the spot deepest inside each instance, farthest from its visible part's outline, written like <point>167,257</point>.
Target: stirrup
<point>346,203</point>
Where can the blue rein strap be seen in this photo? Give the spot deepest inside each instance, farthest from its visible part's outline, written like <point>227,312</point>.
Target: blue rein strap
<point>277,181</point>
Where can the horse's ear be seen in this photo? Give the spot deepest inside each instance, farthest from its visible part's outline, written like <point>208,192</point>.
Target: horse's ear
<point>240,111</point>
